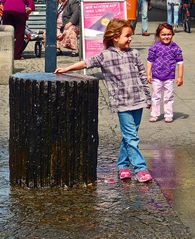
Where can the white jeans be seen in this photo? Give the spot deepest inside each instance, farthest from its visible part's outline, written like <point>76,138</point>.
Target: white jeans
<point>159,88</point>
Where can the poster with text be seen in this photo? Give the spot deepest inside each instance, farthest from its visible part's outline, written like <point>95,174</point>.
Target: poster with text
<point>96,16</point>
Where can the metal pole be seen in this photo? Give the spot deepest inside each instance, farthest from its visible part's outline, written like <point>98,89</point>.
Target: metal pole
<point>51,22</point>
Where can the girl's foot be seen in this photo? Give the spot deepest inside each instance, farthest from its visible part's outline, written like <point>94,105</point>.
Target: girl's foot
<point>143,176</point>
<point>125,173</point>
<point>153,119</point>
<point>168,119</point>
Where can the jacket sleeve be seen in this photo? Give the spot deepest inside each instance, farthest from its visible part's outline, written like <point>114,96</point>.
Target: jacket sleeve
<point>95,61</point>
<point>151,54</point>
<point>179,56</point>
<point>75,7</point>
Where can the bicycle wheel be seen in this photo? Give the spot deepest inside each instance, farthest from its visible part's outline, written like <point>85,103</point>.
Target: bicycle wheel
<point>38,48</point>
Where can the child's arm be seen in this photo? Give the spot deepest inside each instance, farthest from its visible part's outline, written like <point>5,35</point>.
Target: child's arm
<point>77,66</point>
<point>143,78</point>
<point>179,80</point>
<point>149,72</point>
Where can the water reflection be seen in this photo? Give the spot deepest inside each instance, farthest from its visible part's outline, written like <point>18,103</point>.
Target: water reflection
<point>163,167</point>
<point>173,169</point>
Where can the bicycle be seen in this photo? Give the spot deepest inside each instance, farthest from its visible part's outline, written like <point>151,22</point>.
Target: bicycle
<point>30,35</point>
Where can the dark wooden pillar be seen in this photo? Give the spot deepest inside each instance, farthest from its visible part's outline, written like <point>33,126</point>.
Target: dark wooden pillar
<point>53,129</point>
<point>51,23</point>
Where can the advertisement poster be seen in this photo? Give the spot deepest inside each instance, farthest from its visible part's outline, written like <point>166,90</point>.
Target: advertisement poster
<point>96,16</point>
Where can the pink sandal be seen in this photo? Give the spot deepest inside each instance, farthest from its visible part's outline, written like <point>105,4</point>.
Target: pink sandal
<point>124,173</point>
<point>143,176</point>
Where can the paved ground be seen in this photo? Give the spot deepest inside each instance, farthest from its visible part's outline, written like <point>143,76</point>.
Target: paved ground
<point>162,209</point>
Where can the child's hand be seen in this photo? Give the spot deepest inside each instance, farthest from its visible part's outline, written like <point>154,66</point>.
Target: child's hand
<point>149,79</point>
<point>28,10</point>
<point>69,24</point>
<point>60,70</point>
<point>148,106</point>
<point>179,81</point>
<point>60,36</point>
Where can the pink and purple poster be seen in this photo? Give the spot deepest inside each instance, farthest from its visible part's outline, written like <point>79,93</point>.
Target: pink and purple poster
<point>96,16</point>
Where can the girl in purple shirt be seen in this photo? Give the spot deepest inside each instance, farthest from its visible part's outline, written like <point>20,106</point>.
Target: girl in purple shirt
<point>16,13</point>
<point>163,57</point>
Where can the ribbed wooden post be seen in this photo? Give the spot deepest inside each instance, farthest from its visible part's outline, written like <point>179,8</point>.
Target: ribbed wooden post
<point>53,129</point>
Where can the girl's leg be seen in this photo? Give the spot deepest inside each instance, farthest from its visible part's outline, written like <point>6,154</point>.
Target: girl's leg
<point>123,160</point>
<point>169,14</point>
<point>156,97</point>
<point>129,123</point>
<point>168,98</point>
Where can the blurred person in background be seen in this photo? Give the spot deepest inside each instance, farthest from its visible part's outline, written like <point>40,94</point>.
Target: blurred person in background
<point>173,7</point>
<point>143,7</point>
<point>68,25</point>
<point>16,14</point>
<point>68,18</point>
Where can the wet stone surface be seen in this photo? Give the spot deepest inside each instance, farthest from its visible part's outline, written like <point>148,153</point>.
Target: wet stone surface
<point>109,209</point>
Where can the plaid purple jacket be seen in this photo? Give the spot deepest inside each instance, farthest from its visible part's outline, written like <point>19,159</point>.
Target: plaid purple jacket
<point>125,78</point>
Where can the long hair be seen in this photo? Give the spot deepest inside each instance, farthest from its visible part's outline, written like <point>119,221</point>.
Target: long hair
<point>160,27</point>
<point>114,29</point>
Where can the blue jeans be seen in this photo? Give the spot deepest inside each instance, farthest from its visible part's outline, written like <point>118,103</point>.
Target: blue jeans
<point>143,9</point>
<point>130,154</point>
<point>173,14</point>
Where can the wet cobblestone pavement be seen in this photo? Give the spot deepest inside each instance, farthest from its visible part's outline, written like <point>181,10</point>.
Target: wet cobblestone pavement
<point>111,208</point>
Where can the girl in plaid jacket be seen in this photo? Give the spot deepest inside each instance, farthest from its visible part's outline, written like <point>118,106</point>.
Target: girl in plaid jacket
<point>128,92</point>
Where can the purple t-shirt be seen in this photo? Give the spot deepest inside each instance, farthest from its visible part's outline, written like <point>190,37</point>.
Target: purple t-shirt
<point>18,5</point>
<point>164,58</point>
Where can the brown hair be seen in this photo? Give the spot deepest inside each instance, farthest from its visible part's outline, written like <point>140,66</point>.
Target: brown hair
<point>114,29</point>
<point>160,27</point>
